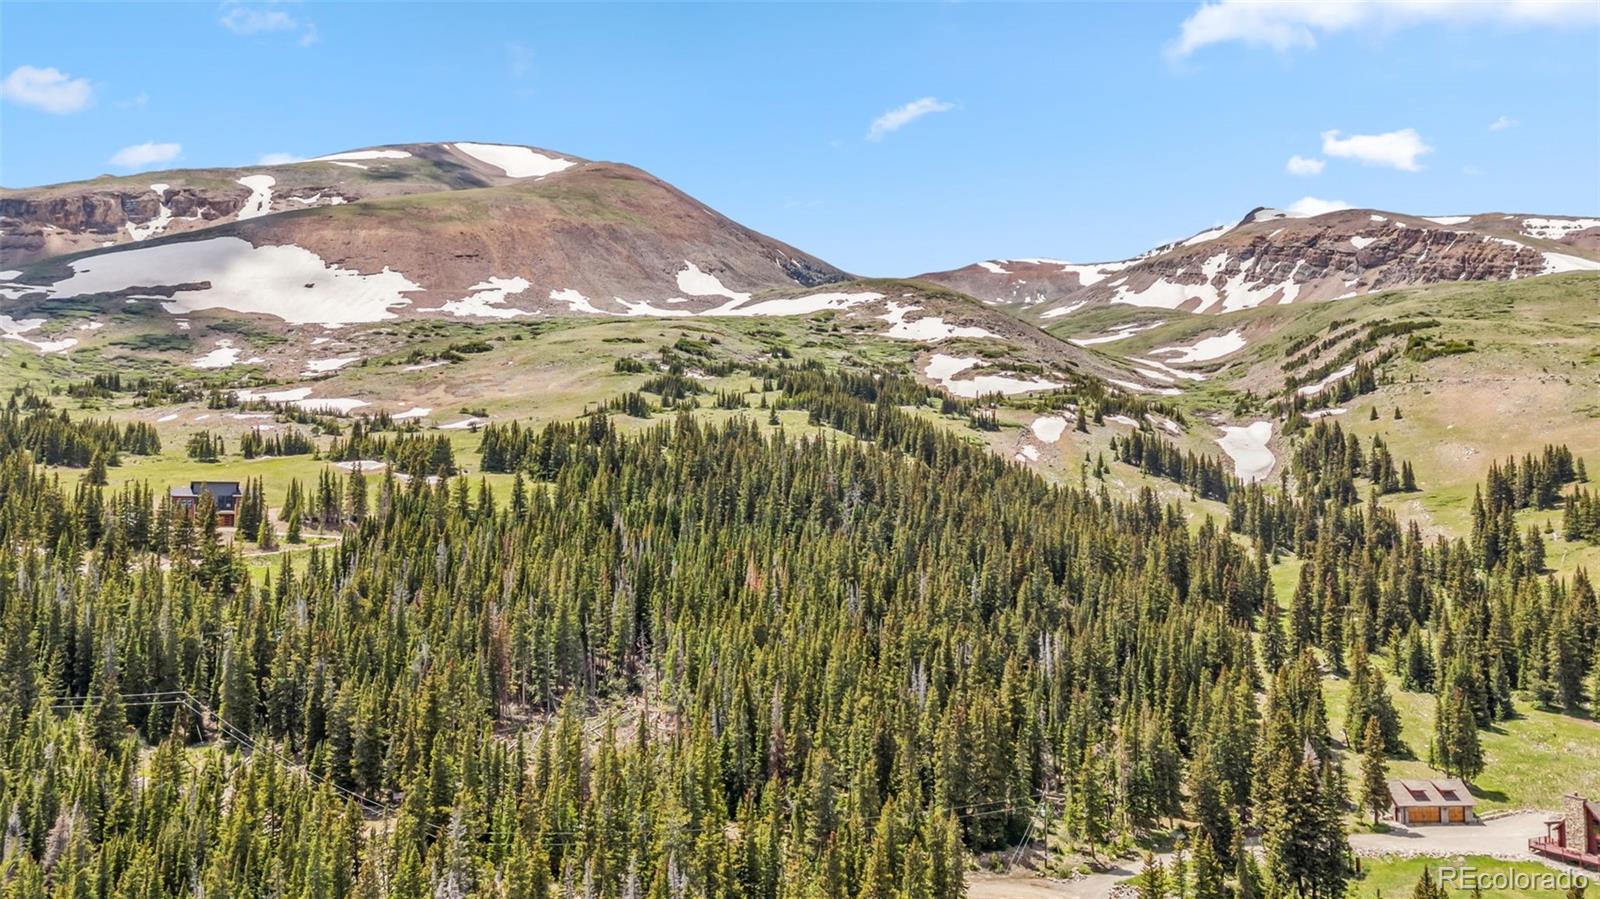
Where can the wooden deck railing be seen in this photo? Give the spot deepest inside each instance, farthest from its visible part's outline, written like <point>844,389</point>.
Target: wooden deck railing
<point>1561,853</point>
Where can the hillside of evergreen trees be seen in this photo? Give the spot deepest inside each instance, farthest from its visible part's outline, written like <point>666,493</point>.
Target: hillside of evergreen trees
<point>723,661</point>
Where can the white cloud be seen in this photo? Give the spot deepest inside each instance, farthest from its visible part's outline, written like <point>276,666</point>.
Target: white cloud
<point>1299,165</point>
<point>1502,123</point>
<point>245,20</point>
<point>140,155</point>
<point>519,60</point>
<point>898,118</point>
<point>277,159</point>
<point>49,89</point>
<point>1285,25</point>
<point>1395,149</point>
<point>1309,206</point>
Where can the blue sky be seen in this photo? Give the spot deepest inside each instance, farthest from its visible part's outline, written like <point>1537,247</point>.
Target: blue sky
<point>1078,131</point>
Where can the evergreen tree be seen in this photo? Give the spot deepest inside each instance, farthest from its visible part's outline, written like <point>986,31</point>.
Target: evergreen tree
<point>238,695</point>
<point>96,475</point>
<point>1246,873</point>
<point>1456,748</point>
<point>355,504</point>
<point>1374,771</point>
<point>1208,875</point>
<point>108,720</point>
<point>1152,879</point>
<point>1427,889</point>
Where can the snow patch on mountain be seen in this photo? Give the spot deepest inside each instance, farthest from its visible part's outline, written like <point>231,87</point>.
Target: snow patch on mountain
<point>1143,388</point>
<point>487,300</point>
<point>333,405</point>
<point>1093,273</point>
<point>928,329</point>
<point>944,369</point>
<point>575,301</point>
<point>361,155</point>
<point>301,398</point>
<point>286,282</point>
<point>1556,229</point>
<point>645,309</point>
<point>1048,428</point>
<point>1314,389</point>
<point>1122,332</point>
<point>1236,292</point>
<point>226,355</point>
<point>1166,372</point>
<point>1203,350</point>
<point>516,162</point>
<point>323,366</point>
<point>14,329</point>
<point>1208,234</point>
<point>1561,262</point>
<point>259,202</point>
<point>803,305</point>
<point>1064,310</point>
<point>696,283</point>
<point>287,395</point>
<point>1247,446</point>
<point>318,197</point>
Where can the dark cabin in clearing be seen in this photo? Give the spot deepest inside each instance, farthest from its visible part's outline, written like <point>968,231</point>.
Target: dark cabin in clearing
<point>1574,835</point>
<point>224,495</point>
<point>1431,802</point>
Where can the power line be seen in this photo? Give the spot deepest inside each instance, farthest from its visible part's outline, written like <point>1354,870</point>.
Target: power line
<point>185,699</point>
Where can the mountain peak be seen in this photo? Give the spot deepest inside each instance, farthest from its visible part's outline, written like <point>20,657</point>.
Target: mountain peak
<point>1263,214</point>
<point>445,223</point>
<point>1275,256</point>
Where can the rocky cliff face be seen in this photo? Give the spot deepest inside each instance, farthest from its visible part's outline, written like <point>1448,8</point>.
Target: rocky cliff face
<point>1270,257</point>
<point>36,227</point>
<point>109,211</point>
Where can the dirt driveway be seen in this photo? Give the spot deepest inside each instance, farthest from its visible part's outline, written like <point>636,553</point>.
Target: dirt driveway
<point>1504,837</point>
<point>983,885</point>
